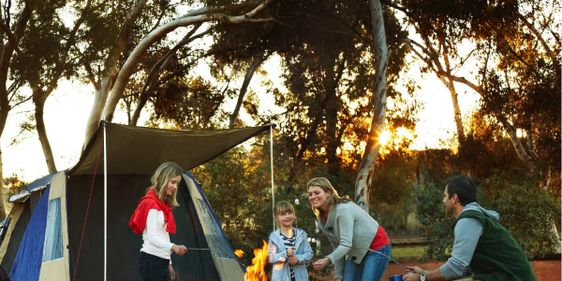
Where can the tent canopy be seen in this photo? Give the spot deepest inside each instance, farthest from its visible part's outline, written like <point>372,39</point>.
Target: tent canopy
<point>58,229</point>
<point>140,150</point>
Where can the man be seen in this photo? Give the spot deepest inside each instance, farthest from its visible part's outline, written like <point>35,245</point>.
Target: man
<point>482,246</point>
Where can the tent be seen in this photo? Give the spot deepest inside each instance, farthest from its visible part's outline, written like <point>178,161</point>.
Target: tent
<point>72,225</point>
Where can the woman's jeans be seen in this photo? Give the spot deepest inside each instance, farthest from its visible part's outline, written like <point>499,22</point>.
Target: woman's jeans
<point>153,268</point>
<point>371,268</point>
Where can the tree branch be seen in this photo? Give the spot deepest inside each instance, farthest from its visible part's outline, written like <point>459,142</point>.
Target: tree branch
<point>539,36</point>
<point>256,62</point>
<point>133,59</point>
<point>10,36</point>
<point>160,65</point>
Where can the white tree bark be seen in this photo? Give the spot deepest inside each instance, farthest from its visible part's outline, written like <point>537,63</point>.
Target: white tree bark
<point>39,101</point>
<point>431,58</point>
<point>110,70</point>
<point>367,168</point>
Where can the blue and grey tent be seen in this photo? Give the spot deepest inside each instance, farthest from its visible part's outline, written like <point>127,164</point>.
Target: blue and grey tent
<point>72,225</point>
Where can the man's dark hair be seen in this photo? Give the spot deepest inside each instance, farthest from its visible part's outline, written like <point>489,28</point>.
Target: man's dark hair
<point>464,187</point>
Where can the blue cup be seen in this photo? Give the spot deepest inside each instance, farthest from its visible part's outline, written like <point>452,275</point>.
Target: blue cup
<point>395,278</point>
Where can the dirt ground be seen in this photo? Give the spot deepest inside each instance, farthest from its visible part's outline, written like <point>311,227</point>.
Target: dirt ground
<point>548,270</point>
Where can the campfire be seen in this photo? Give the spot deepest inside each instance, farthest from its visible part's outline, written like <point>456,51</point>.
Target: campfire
<point>256,271</point>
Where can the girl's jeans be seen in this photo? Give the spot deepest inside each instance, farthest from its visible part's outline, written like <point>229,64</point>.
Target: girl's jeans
<point>153,268</point>
<point>371,268</point>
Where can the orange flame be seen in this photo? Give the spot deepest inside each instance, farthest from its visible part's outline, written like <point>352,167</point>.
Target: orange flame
<point>239,253</point>
<point>256,271</point>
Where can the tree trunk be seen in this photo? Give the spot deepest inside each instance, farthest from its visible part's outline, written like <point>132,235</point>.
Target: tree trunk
<point>110,70</point>
<point>256,62</point>
<point>331,132</point>
<point>456,108</point>
<point>39,101</point>
<point>519,147</point>
<point>3,191</point>
<point>367,167</point>
<point>453,91</point>
<point>333,76</point>
<point>7,52</point>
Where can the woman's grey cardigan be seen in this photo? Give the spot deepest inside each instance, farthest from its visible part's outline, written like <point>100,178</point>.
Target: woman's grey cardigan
<point>350,230</point>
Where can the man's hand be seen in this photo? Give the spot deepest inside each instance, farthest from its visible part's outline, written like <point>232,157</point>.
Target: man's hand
<point>321,263</point>
<point>413,273</point>
<point>412,276</point>
<point>180,250</point>
<point>293,260</point>
<point>171,272</point>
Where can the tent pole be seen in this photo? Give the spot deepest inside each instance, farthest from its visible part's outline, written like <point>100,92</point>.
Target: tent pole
<point>104,201</point>
<point>272,177</point>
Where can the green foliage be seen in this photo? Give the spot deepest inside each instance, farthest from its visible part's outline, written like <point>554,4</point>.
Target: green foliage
<point>390,192</point>
<point>192,103</point>
<point>238,192</point>
<point>438,227</point>
<point>528,212</point>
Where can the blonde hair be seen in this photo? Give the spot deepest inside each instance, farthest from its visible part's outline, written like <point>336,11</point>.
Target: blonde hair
<point>160,179</point>
<point>326,185</point>
<point>282,207</point>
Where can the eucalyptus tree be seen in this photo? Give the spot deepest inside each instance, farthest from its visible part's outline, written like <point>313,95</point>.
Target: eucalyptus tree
<point>519,81</point>
<point>329,67</point>
<point>47,56</point>
<point>517,69</point>
<point>13,26</point>
<point>514,47</point>
<point>113,79</point>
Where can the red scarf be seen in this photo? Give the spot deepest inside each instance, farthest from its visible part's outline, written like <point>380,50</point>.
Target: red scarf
<point>137,223</point>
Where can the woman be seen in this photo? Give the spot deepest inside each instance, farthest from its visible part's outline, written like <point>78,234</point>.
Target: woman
<point>353,233</point>
<point>153,218</point>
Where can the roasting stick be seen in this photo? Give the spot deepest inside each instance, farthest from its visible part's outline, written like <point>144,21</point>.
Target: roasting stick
<point>198,249</point>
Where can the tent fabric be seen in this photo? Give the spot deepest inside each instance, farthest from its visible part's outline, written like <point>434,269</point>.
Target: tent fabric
<point>140,150</point>
<point>27,264</point>
<point>132,156</point>
<point>21,215</point>
<point>227,264</point>
<point>124,191</point>
<point>211,224</point>
<point>39,182</point>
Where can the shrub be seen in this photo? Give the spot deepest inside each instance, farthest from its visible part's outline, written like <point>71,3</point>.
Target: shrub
<point>527,211</point>
<point>431,214</point>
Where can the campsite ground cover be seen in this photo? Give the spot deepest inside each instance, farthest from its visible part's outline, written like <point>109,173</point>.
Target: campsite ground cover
<point>546,270</point>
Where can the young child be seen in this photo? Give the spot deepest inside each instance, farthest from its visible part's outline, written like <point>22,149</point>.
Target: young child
<point>289,250</point>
